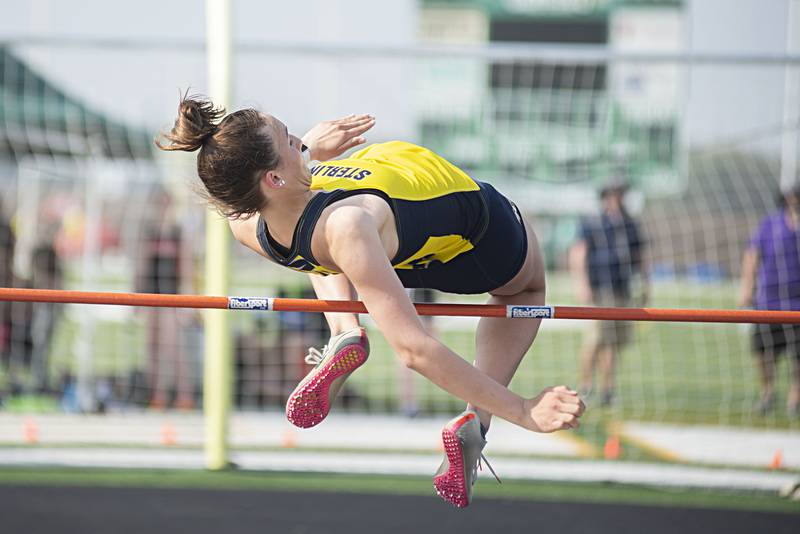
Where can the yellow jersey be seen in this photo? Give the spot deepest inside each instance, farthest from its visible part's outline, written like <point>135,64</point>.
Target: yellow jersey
<point>440,212</point>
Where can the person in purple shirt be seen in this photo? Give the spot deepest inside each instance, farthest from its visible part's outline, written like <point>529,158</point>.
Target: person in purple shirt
<point>771,281</point>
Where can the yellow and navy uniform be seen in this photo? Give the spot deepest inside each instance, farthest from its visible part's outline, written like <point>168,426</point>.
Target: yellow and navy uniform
<point>455,234</point>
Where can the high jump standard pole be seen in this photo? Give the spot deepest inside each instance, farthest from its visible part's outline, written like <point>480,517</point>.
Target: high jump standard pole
<point>217,369</point>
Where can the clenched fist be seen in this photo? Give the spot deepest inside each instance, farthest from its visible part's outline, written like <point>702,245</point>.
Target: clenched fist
<point>555,408</point>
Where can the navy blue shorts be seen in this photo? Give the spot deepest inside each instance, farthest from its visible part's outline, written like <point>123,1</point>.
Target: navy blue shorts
<point>774,339</point>
<point>498,255</point>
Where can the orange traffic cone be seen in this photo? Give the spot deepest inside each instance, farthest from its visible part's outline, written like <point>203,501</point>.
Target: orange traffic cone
<point>777,460</point>
<point>288,440</point>
<point>612,448</point>
<point>169,436</point>
<point>30,431</point>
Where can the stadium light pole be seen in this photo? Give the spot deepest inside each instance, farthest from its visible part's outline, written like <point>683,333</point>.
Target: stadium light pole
<point>791,88</point>
<point>217,369</point>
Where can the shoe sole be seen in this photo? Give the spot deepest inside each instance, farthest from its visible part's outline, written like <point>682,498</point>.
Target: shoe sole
<point>310,403</point>
<point>452,485</point>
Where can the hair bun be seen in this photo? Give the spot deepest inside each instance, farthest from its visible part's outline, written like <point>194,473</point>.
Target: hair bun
<point>197,121</point>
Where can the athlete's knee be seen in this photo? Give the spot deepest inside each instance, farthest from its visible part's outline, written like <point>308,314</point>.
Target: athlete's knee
<point>537,283</point>
<point>536,287</point>
<point>535,295</point>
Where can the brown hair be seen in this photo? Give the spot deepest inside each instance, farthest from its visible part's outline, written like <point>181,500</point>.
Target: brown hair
<point>234,151</point>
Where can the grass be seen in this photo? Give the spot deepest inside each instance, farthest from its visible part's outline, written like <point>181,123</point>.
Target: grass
<point>394,485</point>
<point>673,373</point>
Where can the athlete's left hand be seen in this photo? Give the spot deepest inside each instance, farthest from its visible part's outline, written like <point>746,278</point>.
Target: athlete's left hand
<point>555,408</point>
<point>330,139</point>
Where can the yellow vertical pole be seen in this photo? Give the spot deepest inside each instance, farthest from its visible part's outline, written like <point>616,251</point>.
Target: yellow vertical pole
<point>217,379</point>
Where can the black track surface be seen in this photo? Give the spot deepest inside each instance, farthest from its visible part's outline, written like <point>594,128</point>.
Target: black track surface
<point>66,510</point>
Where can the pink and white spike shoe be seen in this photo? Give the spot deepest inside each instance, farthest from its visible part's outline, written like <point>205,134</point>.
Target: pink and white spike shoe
<point>311,400</point>
<point>463,444</point>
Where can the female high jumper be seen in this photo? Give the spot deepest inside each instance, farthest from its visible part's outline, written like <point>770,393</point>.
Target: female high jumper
<point>390,216</point>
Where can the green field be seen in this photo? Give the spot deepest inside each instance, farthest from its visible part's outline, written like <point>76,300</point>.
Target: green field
<point>673,372</point>
<point>396,485</point>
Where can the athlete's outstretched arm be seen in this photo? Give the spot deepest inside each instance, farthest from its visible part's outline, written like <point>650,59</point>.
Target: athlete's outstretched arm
<point>331,139</point>
<point>355,247</point>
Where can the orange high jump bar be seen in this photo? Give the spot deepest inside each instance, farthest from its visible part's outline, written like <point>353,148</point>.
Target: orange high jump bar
<point>350,306</point>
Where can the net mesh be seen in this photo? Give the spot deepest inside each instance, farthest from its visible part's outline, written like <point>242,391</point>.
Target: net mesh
<point>88,204</point>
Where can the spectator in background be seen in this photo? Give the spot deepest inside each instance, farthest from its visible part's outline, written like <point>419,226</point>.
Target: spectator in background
<point>45,274</point>
<point>26,328</point>
<point>164,267</point>
<point>7,245</point>
<point>771,281</point>
<point>260,368</point>
<point>603,261</point>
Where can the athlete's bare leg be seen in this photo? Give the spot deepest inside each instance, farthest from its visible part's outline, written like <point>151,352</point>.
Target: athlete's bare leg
<point>336,287</point>
<point>313,397</point>
<point>502,343</point>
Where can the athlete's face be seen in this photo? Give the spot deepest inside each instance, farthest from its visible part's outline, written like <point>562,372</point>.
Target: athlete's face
<point>291,171</point>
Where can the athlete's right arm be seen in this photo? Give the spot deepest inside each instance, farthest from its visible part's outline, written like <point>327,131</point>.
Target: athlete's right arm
<point>355,247</point>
